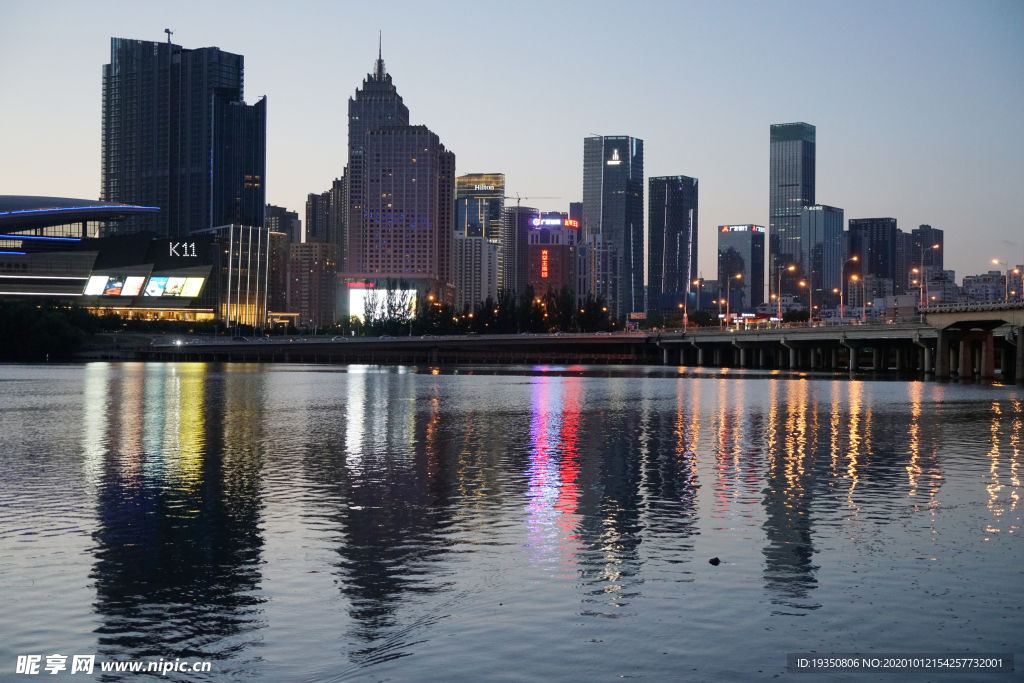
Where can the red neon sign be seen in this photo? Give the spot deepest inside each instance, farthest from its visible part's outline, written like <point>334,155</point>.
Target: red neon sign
<point>543,262</point>
<point>570,223</point>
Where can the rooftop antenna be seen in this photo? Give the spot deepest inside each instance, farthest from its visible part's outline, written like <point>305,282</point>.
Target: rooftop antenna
<point>380,42</point>
<point>168,32</point>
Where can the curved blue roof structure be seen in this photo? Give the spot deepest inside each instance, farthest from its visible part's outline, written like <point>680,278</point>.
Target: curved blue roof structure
<point>21,212</point>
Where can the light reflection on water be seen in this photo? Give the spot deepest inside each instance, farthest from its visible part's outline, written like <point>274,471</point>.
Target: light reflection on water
<point>373,523</point>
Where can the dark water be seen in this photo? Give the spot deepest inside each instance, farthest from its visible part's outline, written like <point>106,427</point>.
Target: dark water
<point>380,524</point>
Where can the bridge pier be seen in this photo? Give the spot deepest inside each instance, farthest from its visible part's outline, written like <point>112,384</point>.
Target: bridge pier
<point>942,353</point>
<point>743,357</point>
<point>876,358</point>
<point>762,358</point>
<point>966,358</point>
<point>700,357</point>
<point>988,356</point>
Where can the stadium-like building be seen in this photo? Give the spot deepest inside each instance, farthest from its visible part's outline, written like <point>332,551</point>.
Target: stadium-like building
<point>50,249</point>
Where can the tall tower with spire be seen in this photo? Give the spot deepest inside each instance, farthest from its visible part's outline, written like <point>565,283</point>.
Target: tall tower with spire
<point>376,104</point>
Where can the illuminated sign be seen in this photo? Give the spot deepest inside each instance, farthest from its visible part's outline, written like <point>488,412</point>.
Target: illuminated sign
<point>615,160</point>
<point>192,287</point>
<point>570,223</point>
<point>181,249</point>
<point>133,285</point>
<point>537,222</point>
<point>156,286</point>
<point>483,187</point>
<point>543,262</point>
<point>364,299</point>
<point>742,228</point>
<point>174,286</point>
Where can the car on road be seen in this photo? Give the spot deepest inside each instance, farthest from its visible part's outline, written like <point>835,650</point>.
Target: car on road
<point>602,333</point>
<point>527,334</point>
<point>385,336</point>
<point>264,339</point>
<point>427,336</point>
<point>339,338</point>
<point>239,338</point>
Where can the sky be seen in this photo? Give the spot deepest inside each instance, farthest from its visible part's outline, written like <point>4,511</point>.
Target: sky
<point>918,106</point>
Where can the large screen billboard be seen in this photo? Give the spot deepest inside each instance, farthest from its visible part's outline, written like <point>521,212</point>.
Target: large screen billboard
<point>377,301</point>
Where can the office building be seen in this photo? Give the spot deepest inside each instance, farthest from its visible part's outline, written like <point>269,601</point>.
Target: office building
<point>374,105</point>
<point>280,219</point>
<point>178,135</point>
<point>512,253</point>
<point>672,242</point>
<point>408,227</point>
<point>312,288</point>
<point>476,270</point>
<point>613,207</point>
<point>551,254</point>
<point>821,255</point>
<point>318,211</point>
<point>576,212</point>
<point>791,187</point>
<point>867,288</point>
<point>923,253</point>
<point>479,202</point>
<point>741,252</point>
<point>337,220</point>
<point>874,241</point>
<point>596,268</point>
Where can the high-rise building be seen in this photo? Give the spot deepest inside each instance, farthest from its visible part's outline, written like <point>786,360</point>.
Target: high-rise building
<point>476,270</point>
<point>479,202</point>
<point>821,255</point>
<point>613,207</point>
<point>408,227</point>
<point>672,241</point>
<point>925,239</point>
<point>551,254</point>
<point>791,187</point>
<point>376,104</point>
<point>902,275</point>
<point>337,219</point>
<point>515,241</point>
<point>312,286</point>
<point>741,252</point>
<point>318,211</point>
<point>178,135</point>
<point>596,268</point>
<point>576,212</point>
<point>280,219</point>
<point>874,242</point>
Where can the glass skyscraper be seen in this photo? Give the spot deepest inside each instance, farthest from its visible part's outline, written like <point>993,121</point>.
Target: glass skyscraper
<point>178,135</point>
<point>613,207</point>
<point>791,187</point>
<point>479,202</point>
<point>821,255</point>
<point>741,252</point>
<point>671,242</point>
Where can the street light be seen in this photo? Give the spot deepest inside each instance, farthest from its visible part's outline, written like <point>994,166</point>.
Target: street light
<point>778,293</point>
<point>1006,279</point>
<point>728,298</point>
<point>924,278</point>
<point>863,298</point>
<point>842,273</point>
<point>810,301</point>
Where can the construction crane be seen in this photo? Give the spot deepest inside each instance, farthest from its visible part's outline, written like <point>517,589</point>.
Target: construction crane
<point>519,199</point>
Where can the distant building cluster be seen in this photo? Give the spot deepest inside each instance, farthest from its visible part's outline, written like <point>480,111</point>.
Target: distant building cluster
<point>184,162</point>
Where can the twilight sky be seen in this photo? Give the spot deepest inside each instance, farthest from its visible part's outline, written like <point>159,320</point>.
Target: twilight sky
<point>919,106</point>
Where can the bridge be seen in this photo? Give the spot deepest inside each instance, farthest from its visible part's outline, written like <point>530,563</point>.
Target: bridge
<point>966,341</point>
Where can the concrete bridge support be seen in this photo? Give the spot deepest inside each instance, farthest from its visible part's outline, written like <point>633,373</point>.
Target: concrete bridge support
<point>794,359</point>
<point>718,358</point>
<point>876,359</point>
<point>966,358</point>
<point>988,356</point>
<point>700,357</point>
<point>942,352</point>
<point>743,357</point>
<point>835,359</point>
<point>762,358</point>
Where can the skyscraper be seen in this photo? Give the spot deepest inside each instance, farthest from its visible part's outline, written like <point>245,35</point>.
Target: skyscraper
<point>791,187</point>
<point>821,255</point>
<point>924,239</point>
<point>741,252</point>
<point>671,241</point>
<point>376,104</point>
<point>874,242</point>
<point>514,248</point>
<point>409,201</point>
<point>312,287</point>
<point>337,220</point>
<point>318,208</point>
<point>479,202</point>
<point>280,219</point>
<point>476,270</point>
<point>613,207</point>
<point>177,134</point>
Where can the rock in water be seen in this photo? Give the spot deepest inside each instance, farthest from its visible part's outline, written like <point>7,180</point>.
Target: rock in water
<point>714,561</point>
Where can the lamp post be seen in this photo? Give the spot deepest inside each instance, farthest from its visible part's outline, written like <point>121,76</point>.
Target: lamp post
<point>839,291</point>
<point>728,297</point>
<point>923,277</point>
<point>842,273</point>
<point>778,293</point>
<point>863,298</point>
<point>1006,278</point>
<point>810,301</point>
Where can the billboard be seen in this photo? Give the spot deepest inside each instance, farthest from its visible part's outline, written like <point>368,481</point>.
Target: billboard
<point>156,286</point>
<point>133,285</point>
<point>363,300</point>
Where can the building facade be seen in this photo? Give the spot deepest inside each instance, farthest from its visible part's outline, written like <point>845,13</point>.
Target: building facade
<point>926,251</point>
<point>318,211</point>
<point>312,283</point>
<point>821,255</point>
<point>552,254</point>
<point>596,268</point>
<point>513,250</point>
<point>671,241</point>
<point>741,252</point>
<point>377,103</point>
<point>177,134</point>
<point>613,207</point>
<point>476,270</point>
<point>479,203</point>
<point>791,186</point>
<point>280,219</point>
<point>874,241</point>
